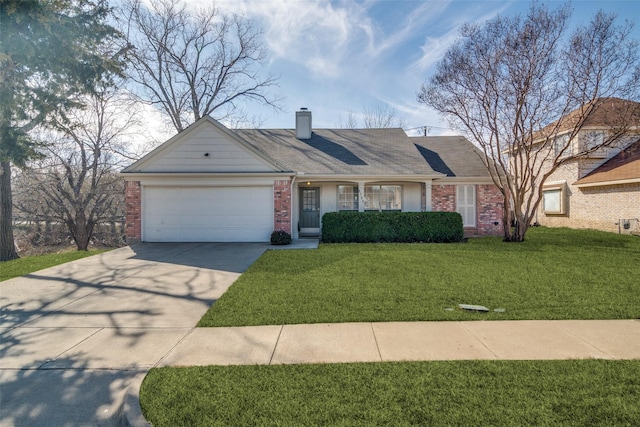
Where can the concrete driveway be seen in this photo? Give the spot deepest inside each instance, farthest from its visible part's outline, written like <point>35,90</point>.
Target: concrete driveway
<point>75,336</point>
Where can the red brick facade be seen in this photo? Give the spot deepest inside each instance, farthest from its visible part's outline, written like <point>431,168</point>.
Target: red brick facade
<point>133,203</point>
<point>443,198</point>
<point>282,205</point>
<point>490,208</point>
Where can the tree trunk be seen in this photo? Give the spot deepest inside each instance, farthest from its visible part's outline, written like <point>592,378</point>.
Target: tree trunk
<point>519,230</point>
<point>506,219</point>
<point>47,238</point>
<point>7,244</point>
<point>81,231</point>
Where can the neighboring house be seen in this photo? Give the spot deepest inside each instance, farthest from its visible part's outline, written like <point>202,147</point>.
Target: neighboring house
<point>600,190</point>
<point>210,183</point>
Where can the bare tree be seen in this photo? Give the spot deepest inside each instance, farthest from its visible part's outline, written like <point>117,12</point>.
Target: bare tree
<point>381,115</point>
<point>75,183</point>
<point>191,64</point>
<point>375,116</point>
<point>518,85</point>
<point>351,121</point>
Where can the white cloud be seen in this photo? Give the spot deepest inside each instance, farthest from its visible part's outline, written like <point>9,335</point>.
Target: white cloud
<point>317,35</point>
<point>414,22</point>
<point>341,55</point>
<point>330,39</point>
<point>435,47</point>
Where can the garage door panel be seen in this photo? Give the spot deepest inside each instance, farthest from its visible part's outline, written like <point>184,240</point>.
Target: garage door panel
<point>213,214</point>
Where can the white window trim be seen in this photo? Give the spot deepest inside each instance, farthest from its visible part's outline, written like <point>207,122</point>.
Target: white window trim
<point>355,194</point>
<point>592,138</point>
<point>379,209</point>
<point>559,143</point>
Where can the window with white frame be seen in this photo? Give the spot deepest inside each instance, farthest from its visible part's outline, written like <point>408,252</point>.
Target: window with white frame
<point>559,144</point>
<point>466,204</point>
<point>383,198</point>
<point>593,139</point>
<point>554,199</point>
<point>347,197</point>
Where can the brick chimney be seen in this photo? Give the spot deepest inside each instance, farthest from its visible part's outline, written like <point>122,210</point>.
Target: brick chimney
<point>303,124</point>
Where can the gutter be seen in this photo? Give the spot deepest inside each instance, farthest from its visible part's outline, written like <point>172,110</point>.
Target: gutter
<point>134,176</point>
<point>605,183</point>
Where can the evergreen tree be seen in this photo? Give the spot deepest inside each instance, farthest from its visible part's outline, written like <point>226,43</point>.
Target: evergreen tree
<point>50,52</point>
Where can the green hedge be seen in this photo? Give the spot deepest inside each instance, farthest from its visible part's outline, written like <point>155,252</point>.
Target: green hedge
<point>405,227</point>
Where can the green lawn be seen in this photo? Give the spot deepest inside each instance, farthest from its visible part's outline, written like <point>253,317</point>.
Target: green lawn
<point>22,266</point>
<point>483,393</point>
<point>555,274</point>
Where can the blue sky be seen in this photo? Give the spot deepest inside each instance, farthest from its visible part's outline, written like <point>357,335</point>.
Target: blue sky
<point>337,57</point>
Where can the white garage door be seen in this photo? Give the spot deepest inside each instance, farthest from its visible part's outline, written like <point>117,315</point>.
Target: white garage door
<point>207,214</point>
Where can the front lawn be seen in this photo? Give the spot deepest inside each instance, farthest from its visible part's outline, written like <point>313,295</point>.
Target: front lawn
<point>26,265</point>
<point>555,274</point>
<point>485,393</point>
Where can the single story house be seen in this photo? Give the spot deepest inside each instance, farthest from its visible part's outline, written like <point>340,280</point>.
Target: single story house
<point>213,184</point>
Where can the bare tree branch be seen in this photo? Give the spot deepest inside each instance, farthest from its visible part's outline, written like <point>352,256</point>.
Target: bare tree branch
<point>524,90</point>
<point>195,63</point>
<point>375,116</point>
<point>76,183</point>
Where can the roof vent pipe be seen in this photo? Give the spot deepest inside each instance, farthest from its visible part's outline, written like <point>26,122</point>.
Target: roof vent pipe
<point>303,124</point>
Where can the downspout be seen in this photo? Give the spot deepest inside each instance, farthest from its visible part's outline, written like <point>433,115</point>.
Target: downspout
<point>293,179</point>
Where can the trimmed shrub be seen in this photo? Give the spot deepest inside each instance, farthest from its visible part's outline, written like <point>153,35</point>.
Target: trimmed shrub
<point>280,237</point>
<point>400,227</point>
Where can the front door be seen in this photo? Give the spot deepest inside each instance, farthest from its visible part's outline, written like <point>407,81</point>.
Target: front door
<point>309,211</point>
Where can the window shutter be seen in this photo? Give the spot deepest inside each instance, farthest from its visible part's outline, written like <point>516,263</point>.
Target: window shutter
<point>466,204</point>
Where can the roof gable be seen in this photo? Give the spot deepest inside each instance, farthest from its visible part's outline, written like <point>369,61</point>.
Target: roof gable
<point>205,146</point>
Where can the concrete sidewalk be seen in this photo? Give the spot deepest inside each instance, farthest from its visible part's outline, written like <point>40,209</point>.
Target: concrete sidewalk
<point>409,341</point>
<point>399,341</point>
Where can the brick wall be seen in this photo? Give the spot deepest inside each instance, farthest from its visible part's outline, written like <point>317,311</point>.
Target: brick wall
<point>490,206</point>
<point>133,205</point>
<point>443,198</point>
<point>282,205</point>
<point>598,208</point>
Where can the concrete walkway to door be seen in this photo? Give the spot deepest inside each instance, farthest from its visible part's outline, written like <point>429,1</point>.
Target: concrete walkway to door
<point>75,336</point>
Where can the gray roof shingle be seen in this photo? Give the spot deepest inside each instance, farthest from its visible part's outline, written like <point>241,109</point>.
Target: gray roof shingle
<point>367,152</point>
<point>453,155</point>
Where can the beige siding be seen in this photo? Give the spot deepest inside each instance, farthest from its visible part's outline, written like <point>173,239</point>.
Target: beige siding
<point>599,208</point>
<point>225,155</point>
<point>328,198</point>
<point>412,197</point>
<point>592,207</point>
